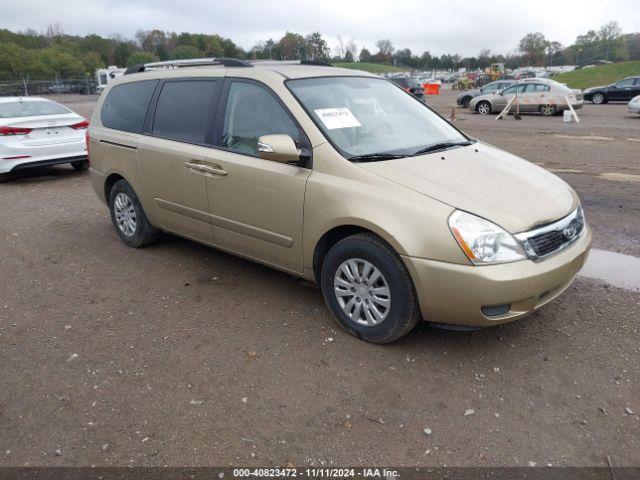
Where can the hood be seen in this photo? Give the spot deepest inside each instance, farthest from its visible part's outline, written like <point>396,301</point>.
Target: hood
<point>503,188</point>
<point>591,89</point>
<point>484,96</point>
<point>475,92</point>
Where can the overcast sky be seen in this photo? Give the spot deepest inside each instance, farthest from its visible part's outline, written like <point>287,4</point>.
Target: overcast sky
<point>442,26</point>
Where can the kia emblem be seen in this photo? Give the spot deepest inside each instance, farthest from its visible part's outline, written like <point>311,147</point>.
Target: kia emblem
<point>570,232</point>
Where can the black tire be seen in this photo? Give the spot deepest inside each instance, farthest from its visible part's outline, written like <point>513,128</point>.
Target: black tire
<point>4,177</point>
<point>599,98</point>
<point>464,103</point>
<point>144,233</point>
<point>80,165</point>
<point>403,313</point>
<point>480,106</point>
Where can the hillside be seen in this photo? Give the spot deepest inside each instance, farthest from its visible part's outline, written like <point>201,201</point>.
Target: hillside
<point>600,75</point>
<point>371,67</point>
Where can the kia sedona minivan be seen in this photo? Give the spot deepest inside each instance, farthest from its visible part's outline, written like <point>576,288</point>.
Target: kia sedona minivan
<point>339,177</point>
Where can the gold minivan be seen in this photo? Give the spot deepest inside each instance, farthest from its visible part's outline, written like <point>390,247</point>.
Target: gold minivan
<point>339,177</point>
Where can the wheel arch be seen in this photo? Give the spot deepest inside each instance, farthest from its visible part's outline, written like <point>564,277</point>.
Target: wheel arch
<point>109,182</point>
<point>480,102</point>
<point>339,232</point>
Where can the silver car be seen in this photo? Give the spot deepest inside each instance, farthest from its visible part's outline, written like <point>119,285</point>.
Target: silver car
<point>634,105</point>
<point>538,95</point>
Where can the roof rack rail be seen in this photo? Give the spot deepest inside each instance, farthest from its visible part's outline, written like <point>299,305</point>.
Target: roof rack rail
<point>191,62</point>
<point>290,62</point>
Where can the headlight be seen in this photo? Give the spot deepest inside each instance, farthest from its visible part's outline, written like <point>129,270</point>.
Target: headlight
<point>482,241</point>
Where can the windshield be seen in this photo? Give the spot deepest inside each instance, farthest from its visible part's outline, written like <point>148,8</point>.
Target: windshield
<point>366,116</point>
<point>31,108</point>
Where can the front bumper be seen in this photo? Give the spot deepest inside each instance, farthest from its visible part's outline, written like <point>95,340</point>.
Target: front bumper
<point>455,294</point>
<point>634,107</point>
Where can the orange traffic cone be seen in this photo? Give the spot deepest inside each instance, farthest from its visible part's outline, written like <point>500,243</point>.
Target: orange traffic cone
<point>453,114</point>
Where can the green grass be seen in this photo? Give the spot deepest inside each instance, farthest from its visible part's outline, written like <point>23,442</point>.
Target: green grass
<point>600,75</point>
<point>372,67</point>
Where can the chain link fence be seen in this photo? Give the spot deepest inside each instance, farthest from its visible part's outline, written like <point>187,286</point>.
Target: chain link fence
<point>58,86</point>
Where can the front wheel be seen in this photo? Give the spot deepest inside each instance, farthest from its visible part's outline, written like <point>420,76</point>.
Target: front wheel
<point>599,98</point>
<point>129,218</point>
<point>368,289</point>
<point>483,108</point>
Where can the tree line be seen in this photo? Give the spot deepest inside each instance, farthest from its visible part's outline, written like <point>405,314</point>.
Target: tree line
<point>43,55</point>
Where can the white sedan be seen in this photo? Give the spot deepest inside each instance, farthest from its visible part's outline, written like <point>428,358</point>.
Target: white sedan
<point>35,132</point>
<point>634,105</point>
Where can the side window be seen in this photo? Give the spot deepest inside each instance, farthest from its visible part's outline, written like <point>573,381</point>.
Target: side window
<point>184,110</point>
<point>512,89</point>
<point>537,87</point>
<point>627,82</point>
<point>492,87</point>
<point>252,111</point>
<point>125,107</point>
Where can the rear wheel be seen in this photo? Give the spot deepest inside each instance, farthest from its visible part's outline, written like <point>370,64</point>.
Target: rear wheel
<point>369,290</point>
<point>128,217</point>
<point>81,165</point>
<point>4,177</point>
<point>599,98</point>
<point>548,110</point>
<point>465,102</point>
<point>483,108</point>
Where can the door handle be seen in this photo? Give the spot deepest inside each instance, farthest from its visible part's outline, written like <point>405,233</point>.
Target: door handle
<point>213,170</point>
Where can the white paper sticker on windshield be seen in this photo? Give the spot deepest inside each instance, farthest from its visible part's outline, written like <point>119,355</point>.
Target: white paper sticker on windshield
<point>337,118</point>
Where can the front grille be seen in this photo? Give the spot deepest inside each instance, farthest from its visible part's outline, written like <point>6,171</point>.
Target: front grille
<point>578,96</point>
<point>547,243</point>
<point>551,238</point>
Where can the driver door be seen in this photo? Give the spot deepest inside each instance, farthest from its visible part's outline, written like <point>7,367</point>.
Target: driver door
<point>622,90</point>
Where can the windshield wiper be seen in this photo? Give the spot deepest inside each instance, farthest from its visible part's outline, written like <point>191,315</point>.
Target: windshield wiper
<point>372,157</point>
<point>441,146</point>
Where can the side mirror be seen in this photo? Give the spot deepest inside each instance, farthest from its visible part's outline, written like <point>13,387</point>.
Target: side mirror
<point>278,148</point>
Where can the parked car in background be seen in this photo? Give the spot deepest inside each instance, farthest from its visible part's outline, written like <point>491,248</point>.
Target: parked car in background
<point>35,132</point>
<point>465,97</point>
<point>339,177</point>
<point>540,95</point>
<point>620,91</point>
<point>634,105</point>
<point>409,84</point>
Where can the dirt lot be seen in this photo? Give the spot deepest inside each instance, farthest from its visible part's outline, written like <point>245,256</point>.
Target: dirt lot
<point>181,355</point>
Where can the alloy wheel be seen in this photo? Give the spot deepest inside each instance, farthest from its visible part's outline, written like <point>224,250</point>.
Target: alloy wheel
<point>125,214</point>
<point>484,109</point>
<point>362,292</point>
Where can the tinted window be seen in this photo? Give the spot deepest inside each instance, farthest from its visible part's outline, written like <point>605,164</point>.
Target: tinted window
<point>126,106</point>
<point>627,82</point>
<point>31,108</point>
<point>184,109</point>
<point>252,111</point>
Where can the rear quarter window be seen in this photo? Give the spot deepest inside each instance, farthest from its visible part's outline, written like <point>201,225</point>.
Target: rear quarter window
<point>125,107</point>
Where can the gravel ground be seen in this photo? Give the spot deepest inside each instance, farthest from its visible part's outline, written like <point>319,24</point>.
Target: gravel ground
<point>178,354</point>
